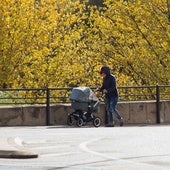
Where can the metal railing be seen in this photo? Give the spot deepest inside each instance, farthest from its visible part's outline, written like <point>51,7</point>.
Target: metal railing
<point>32,96</point>
<point>48,96</point>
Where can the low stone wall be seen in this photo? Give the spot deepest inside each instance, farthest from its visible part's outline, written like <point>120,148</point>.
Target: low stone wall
<point>143,112</point>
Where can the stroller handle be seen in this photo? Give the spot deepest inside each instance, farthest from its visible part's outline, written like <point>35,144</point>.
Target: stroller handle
<point>104,94</point>
<point>96,104</point>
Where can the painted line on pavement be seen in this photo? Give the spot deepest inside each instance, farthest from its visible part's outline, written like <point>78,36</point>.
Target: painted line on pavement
<point>83,146</point>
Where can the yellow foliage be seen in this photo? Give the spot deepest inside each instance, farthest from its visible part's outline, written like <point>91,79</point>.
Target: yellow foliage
<point>51,43</point>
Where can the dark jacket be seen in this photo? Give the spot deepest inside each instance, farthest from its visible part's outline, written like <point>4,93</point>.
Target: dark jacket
<point>109,83</point>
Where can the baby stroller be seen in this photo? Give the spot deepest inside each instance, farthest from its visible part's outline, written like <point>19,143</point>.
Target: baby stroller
<point>84,102</point>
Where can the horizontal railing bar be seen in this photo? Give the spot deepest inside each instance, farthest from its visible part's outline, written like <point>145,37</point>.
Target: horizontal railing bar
<point>126,93</point>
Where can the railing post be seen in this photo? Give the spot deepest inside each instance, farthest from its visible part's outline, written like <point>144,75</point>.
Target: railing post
<point>47,106</point>
<point>157,104</point>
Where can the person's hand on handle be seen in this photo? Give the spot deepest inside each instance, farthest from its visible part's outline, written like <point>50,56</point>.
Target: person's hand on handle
<point>104,91</point>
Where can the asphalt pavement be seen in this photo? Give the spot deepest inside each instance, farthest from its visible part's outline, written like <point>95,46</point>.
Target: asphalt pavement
<point>135,147</point>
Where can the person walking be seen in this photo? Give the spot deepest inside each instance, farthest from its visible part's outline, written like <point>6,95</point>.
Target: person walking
<point>109,88</point>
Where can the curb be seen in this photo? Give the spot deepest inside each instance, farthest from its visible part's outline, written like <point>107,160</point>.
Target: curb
<point>17,154</point>
<point>13,148</point>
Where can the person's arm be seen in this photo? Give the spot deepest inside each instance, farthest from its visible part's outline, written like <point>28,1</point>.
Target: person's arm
<point>100,88</point>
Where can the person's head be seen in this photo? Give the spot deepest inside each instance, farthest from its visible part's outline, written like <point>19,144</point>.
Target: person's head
<point>104,71</point>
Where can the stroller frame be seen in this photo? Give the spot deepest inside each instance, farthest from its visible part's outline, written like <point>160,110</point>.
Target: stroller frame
<point>81,117</point>
<point>83,113</point>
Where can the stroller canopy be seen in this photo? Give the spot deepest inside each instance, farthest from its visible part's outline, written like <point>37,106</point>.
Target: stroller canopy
<point>83,94</point>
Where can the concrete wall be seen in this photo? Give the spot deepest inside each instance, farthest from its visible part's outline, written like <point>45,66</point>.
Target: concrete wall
<point>133,112</point>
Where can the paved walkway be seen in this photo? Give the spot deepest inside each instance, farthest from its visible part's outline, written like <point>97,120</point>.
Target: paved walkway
<point>130,148</point>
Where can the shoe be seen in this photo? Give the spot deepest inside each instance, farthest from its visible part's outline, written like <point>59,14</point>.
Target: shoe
<point>121,122</point>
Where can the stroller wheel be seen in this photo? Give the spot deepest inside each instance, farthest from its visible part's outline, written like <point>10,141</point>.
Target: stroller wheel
<point>79,122</point>
<point>70,120</point>
<point>97,122</point>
